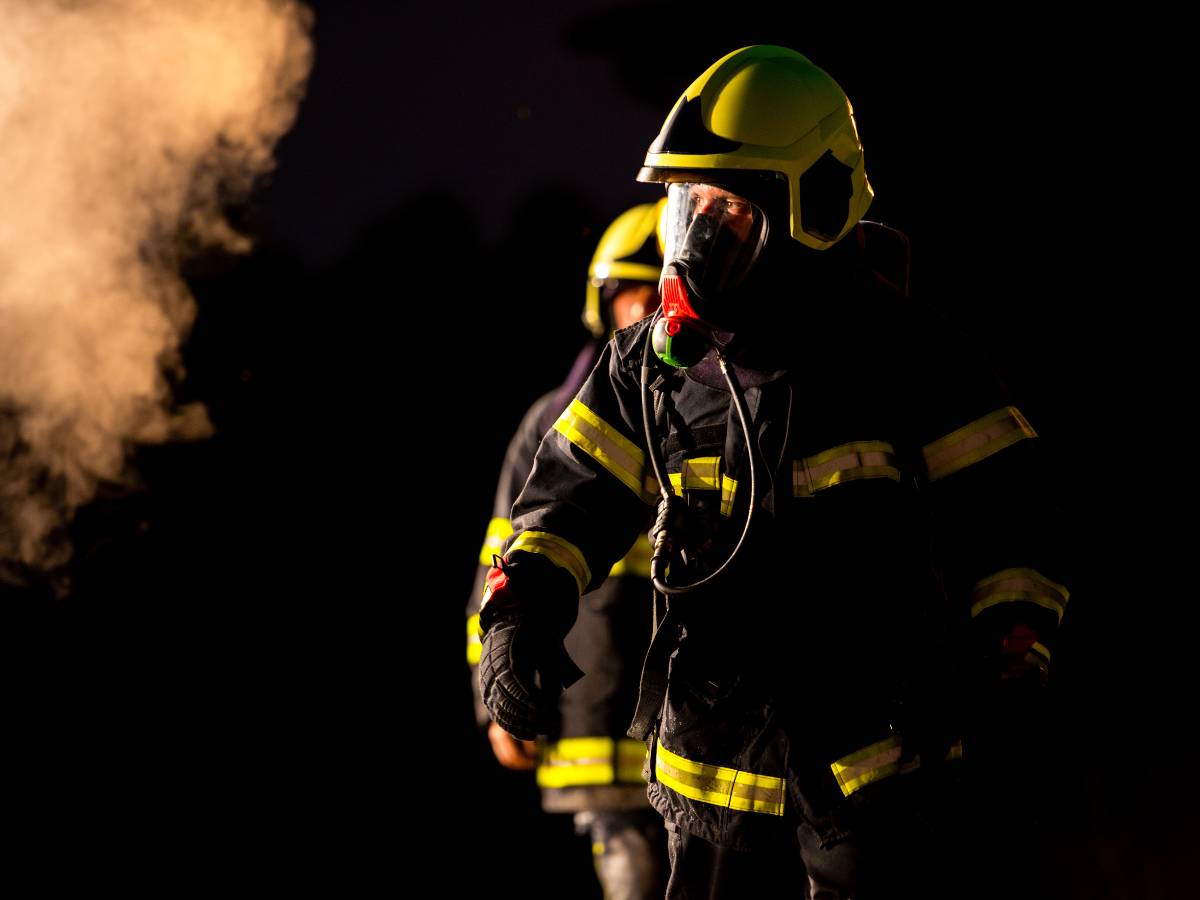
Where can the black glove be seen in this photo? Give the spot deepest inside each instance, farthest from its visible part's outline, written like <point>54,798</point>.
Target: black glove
<point>523,666</point>
<point>522,671</point>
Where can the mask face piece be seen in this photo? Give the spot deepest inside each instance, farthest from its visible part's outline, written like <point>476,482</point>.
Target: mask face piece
<point>712,237</point>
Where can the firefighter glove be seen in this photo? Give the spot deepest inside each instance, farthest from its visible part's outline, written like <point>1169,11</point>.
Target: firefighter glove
<point>523,665</point>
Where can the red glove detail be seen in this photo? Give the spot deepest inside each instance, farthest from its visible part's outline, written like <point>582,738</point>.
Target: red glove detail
<point>495,586</point>
<point>1019,641</point>
<point>1018,660</point>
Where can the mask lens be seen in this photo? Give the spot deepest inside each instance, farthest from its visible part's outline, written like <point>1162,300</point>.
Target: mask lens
<point>716,233</point>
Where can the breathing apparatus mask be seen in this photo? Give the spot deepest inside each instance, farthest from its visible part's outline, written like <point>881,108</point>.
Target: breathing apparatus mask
<point>712,238</point>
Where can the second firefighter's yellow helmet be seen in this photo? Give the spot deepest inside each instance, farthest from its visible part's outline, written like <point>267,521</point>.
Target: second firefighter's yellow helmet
<point>629,250</point>
<point>767,109</point>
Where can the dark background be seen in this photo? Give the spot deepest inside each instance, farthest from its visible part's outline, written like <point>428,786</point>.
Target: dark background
<point>261,660</point>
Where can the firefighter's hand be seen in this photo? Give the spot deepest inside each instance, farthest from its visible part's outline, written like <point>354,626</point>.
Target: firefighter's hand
<point>520,756</point>
<point>522,670</point>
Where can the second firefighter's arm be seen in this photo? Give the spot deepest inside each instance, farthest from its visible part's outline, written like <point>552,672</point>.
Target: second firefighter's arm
<point>590,491</point>
<point>518,461</point>
<point>581,509</point>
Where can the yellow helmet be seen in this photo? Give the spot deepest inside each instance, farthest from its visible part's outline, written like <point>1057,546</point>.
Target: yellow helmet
<point>629,250</point>
<point>767,110</point>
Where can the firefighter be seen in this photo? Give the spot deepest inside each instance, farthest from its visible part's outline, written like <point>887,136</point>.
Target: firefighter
<point>586,765</point>
<point>860,549</point>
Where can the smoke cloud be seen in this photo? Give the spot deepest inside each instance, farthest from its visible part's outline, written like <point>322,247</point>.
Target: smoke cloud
<point>126,127</point>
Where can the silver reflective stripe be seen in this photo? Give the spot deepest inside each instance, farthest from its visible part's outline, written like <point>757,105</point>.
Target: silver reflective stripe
<point>847,462</point>
<point>975,442</point>
<point>879,760</point>
<point>1019,586</point>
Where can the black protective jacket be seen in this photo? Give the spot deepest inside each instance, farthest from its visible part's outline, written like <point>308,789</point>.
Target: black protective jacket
<point>899,530</point>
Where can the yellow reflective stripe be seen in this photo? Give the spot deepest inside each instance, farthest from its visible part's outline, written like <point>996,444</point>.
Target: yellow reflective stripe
<point>631,759</point>
<point>493,543</point>
<point>474,640</point>
<point>584,748</point>
<point>855,461</point>
<point>1019,586</point>
<point>976,441</point>
<point>559,551</point>
<point>878,761</point>
<point>636,563</point>
<point>868,765</point>
<point>579,762</point>
<point>574,774</point>
<point>606,445</point>
<point>1041,650</point>
<point>728,492</point>
<point>704,474</point>
<point>719,785</point>
<point>575,762</point>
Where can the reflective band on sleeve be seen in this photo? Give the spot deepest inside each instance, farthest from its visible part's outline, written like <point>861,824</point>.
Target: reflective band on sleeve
<point>636,563</point>
<point>474,640</point>
<point>1019,586</point>
<point>559,551</point>
<point>590,761</point>
<point>719,785</point>
<point>880,760</point>
<point>1041,650</point>
<point>873,763</point>
<point>977,441</point>
<point>493,543</point>
<point>728,492</point>
<point>848,462</point>
<point>631,760</point>
<point>606,445</point>
<point>703,473</point>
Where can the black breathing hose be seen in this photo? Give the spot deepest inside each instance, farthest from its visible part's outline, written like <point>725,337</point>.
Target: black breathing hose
<point>668,505</point>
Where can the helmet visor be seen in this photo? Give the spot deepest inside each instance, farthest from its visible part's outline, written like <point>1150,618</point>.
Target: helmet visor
<point>717,235</point>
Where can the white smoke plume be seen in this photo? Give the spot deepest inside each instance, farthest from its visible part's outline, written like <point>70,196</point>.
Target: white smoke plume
<point>125,126</point>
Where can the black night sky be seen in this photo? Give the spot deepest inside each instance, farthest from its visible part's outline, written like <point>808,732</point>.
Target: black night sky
<point>263,646</point>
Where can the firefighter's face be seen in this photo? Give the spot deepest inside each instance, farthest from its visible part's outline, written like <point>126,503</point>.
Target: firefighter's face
<point>712,234</point>
<point>734,211</point>
<point>633,303</point>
